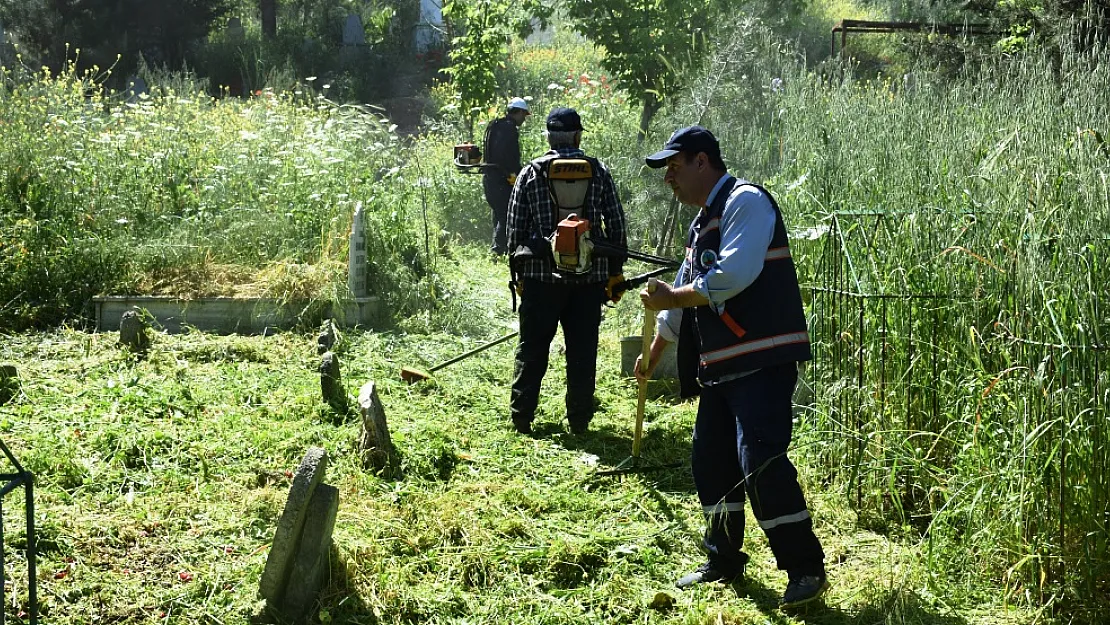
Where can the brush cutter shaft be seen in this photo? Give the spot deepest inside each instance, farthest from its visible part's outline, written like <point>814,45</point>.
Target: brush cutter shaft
<point>476,350</point>
<point>636,281</point>
<point>605,248</point>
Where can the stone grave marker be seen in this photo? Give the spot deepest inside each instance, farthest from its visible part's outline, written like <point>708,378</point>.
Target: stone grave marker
<point>328,338</point>
<point>374,444</point>
<point>427,34</point>
<point>540,35</point>
<point>235,29</point>
<point>312,562</point>
<point>136,88</point>
<point>353,33</point>
<point>354,41</point>
<point>133,332</point>
<point>298,564</point>
<point>331,384</point>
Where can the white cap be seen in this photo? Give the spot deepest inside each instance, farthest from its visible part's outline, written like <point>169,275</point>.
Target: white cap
<point>519,103</point>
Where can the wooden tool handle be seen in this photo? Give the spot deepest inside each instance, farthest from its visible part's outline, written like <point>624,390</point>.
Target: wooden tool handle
<point>646,335</point>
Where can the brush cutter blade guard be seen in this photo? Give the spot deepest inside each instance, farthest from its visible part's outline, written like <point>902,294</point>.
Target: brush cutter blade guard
<point>412,376</point>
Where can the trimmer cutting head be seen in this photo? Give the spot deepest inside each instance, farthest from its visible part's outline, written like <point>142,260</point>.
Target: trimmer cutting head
<point>412,376</point>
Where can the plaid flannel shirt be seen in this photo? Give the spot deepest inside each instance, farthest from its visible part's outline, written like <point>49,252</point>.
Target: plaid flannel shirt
<point>532,213</point>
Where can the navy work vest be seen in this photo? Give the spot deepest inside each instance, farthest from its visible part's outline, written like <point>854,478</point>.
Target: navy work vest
<point>762,326</point>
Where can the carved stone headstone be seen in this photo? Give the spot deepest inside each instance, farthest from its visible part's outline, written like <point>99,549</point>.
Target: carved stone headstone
<point>374,444</point>
<point>133,331</point>
<point>312,564</point>
<point>331,384</point>
<point>268,8</point>
<point>354,50</point>
<point>353,33</point>
<point>426,35</point>
<point>235,29</point>
<point>297,565</point>
<point>9,383</point>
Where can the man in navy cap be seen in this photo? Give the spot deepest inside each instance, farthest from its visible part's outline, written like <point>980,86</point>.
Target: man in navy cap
<point>562,188</point>
<point>736,312</point>
<point>502,144</point>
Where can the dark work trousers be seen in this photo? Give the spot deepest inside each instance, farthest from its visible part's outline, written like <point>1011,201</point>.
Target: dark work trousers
<point>742,431</point>
<point>543,307</point>
<point>498,192</point>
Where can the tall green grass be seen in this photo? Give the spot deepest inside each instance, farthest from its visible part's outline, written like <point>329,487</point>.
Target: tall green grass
<point>977,421</point>
<point>973,418</point>
<point>105,195</point>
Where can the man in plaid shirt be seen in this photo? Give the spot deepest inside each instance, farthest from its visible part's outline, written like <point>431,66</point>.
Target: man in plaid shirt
<point>549,298</point>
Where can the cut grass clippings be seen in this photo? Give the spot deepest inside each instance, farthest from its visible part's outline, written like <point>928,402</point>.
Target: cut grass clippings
<point>160,481</point>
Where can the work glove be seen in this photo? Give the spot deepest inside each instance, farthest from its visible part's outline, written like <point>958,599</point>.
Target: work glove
<point>512,179</point>
<point>610,292</point>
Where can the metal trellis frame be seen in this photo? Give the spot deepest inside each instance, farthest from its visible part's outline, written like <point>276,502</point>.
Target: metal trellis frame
<point>9,482</point>
<point>876,344</point>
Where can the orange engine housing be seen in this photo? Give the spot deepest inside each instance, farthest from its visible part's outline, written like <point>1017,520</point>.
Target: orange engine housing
<point>467,154</point>
<point>568,232</point>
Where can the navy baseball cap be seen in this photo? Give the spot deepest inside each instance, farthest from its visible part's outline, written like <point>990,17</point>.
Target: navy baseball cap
<point>564,120</point>
<point>691,139</point>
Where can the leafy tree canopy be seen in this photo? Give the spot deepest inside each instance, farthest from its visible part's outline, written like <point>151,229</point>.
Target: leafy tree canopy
<point>161,30</point>
<point>651,46</point>
<point>481,31</point>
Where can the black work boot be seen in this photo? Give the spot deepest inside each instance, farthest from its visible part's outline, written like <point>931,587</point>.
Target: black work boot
<point>707,573</point>
<point>802,589</point>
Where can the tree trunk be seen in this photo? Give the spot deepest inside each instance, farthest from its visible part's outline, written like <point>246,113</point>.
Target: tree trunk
<point>269,17</point>
<point>651,107</point>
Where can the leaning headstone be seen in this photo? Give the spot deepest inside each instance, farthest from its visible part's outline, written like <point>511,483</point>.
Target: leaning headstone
<point>312,564</point>
<point>133,331</point>
<point>375,445</point>
<point>9,383</point>
<point>331,385</point>
<point>287,538</point>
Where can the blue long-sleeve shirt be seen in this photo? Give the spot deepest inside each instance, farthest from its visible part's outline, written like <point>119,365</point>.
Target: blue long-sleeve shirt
<point>747,224</point>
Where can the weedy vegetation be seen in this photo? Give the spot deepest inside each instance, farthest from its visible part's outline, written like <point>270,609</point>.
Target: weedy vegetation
<point>952,433</point>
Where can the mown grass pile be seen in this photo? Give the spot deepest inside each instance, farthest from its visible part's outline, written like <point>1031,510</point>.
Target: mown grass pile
<point>160,481</point>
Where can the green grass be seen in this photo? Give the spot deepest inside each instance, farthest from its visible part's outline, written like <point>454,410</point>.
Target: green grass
<point>996,498</point>
<point>160,481</point>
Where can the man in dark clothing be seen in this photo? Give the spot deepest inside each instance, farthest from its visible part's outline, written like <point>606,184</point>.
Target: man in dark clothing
<point>736,311</point>
<point>566,292</point>
<point>503,164</point>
